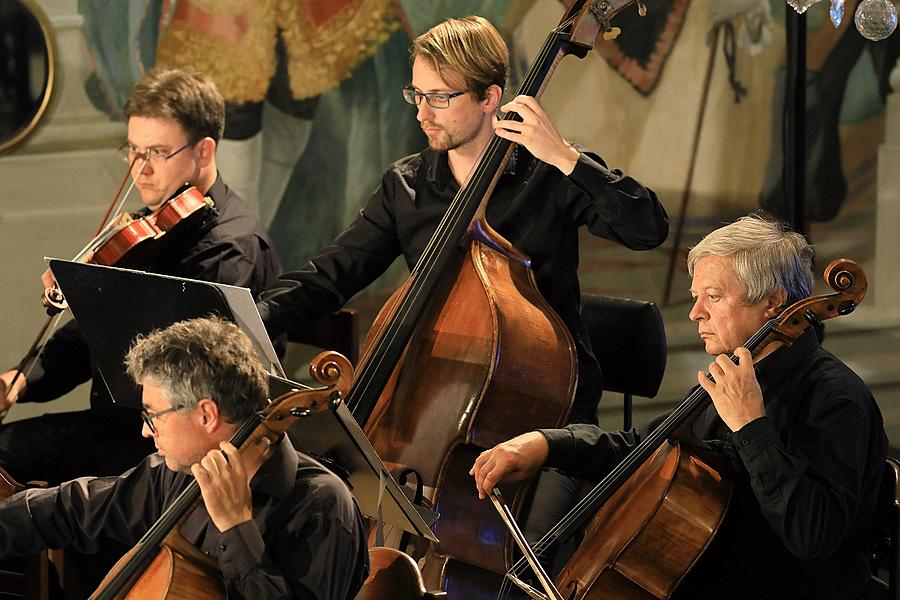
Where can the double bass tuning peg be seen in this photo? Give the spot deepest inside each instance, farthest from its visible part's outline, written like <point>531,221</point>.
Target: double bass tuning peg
<point>613,32</point>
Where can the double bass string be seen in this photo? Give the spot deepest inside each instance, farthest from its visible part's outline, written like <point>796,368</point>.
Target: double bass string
<point>457,217</point>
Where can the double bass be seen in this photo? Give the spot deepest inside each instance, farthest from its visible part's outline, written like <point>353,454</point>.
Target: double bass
<point>467,353</point>
<point>652,517</point>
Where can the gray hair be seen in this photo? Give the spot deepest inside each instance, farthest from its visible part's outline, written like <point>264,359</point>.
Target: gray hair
<point>202,358</point>
<point>767,257</point>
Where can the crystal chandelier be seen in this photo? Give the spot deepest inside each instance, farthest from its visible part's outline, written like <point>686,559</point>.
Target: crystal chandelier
<point>874,19</point>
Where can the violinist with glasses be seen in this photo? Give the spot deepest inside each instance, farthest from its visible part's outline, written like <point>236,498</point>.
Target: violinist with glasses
<point>175,120</point>
<point>801,432</point>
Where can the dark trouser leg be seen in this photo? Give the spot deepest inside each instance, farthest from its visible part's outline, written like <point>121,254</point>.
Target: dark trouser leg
<point>555,494</point>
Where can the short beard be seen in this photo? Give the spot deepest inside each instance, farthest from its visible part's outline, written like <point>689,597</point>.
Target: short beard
<point>446,142</point>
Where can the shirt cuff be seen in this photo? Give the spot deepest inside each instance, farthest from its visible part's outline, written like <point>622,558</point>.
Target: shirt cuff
<point>240,549</point>
<point>587,170</point>
<point>754,438</point>
<point>561,444</point>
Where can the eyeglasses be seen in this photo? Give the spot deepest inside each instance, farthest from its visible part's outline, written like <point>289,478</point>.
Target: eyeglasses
<point>148,416</point>
<point>155,156</point>
<point>434,99</point>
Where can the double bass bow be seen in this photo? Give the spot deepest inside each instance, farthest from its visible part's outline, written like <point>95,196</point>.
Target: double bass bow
<point>649,520</point>
<point>467,352</point>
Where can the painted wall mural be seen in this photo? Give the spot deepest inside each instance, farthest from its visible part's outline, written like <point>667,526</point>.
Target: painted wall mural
<point>315,113</point>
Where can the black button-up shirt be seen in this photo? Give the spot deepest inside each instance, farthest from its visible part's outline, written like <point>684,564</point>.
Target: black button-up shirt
<point>307,538</point>
<point>805,479</point>
<point>534,206</point>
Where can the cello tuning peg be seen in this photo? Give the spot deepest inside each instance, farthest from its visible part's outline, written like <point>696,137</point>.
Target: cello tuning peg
<point>611,33</point>
<point>642,8</point>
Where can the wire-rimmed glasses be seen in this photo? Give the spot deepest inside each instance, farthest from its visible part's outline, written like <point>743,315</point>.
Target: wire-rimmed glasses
<point>434,99</point>
<point>154,154</point>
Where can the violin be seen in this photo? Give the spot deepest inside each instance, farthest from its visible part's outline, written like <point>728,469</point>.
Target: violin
<point>129,241</point>
<point>124,241</point>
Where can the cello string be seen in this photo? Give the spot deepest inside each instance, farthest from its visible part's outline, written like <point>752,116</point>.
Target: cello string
<point>149,544</point>
<point>647,446</point>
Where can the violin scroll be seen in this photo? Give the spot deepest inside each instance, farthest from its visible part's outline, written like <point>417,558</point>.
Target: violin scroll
<point>53,300</point>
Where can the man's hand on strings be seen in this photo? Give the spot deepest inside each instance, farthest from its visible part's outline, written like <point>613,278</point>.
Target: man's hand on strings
<point>735,391</point>
<point>225,486</point>
<point>537,133</point>
<point>512,460</point>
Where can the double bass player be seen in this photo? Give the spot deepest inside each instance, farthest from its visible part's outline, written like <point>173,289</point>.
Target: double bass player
<point>550,190</point>
<point>802,432</point>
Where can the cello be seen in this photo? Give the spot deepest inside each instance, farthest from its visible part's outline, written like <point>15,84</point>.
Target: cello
<point>467,352</point>
<point>163,564</point>
<point>671,487</point>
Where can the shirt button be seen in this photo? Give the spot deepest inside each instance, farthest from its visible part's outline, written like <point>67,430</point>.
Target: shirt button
<point>745,442</point>
<point>222,548</point>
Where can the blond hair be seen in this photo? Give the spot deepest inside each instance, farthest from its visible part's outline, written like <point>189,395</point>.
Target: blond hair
<point>471,47</point>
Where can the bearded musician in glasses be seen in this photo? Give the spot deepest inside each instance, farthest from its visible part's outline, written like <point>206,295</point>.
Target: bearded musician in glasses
<point>549,190</point>
<point>175,120</point>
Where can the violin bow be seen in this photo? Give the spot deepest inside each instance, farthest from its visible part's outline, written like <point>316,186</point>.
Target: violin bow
<point>53,318</point>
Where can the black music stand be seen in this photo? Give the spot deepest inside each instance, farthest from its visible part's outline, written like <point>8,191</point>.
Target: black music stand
<point>114,305</point>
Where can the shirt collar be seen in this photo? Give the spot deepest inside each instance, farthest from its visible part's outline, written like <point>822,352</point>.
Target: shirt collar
<point>781,363</point>
<point>439,166</point>
<point>277,474</point>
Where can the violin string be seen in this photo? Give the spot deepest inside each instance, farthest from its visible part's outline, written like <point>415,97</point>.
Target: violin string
<point>114,209</point>
<point>50,328</point>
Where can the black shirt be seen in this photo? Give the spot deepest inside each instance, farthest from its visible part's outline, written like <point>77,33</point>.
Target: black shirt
<point>805,479</point>
<point>228,247</point>
<point>534,206</point>
<point>306,540</point>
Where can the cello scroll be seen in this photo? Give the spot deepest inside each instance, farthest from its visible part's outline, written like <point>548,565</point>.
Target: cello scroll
<point>848,280</point>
